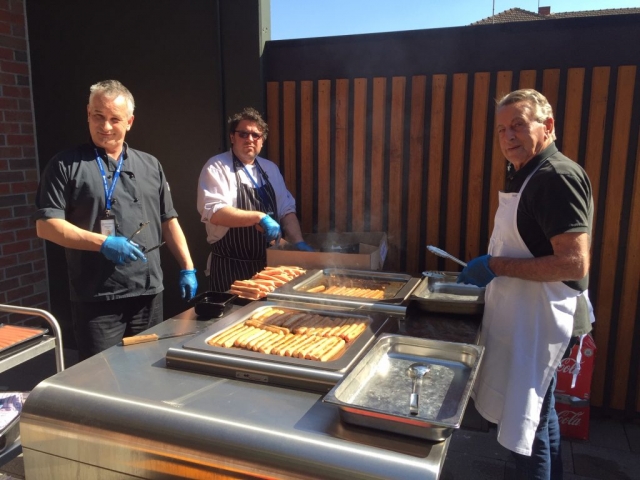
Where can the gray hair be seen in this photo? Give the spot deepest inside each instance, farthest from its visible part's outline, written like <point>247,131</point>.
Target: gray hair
<point>113,89</point>
<point>541,106</point>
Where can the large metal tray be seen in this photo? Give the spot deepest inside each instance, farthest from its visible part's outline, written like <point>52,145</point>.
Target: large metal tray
<point>197,355</point>
<point>14,338</point>
<point>375,393</point>
<point>397,288</point>
<point>439,292</point>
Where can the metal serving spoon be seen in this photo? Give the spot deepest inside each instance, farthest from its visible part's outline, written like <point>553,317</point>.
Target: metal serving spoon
<point>441,253</point>
<point>416,371</point>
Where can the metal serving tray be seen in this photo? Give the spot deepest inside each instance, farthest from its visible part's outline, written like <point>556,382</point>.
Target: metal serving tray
<point>197,355</point>
<point>397,288</point>
<point>439,292</point>
<point>14,338</point>
<point>375,393</point>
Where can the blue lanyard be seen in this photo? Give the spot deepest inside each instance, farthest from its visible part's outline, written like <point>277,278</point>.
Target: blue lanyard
<point>108,191</point>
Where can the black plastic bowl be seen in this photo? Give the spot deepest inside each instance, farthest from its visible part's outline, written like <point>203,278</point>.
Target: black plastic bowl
<point>212,304</point>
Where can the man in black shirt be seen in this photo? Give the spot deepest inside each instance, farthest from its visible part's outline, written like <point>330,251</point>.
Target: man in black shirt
<point>109,206</point>
<point>536,278</point>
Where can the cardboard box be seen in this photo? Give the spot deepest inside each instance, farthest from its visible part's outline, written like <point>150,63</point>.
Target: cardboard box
<point>573,416</point>
<point>367,251</point>
<point>569,367</point>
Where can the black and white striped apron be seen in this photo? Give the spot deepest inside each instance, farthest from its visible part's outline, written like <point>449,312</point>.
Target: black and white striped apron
<point>241,252</point>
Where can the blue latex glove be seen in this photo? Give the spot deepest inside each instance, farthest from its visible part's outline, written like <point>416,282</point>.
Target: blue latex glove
<point>304,247</point>
<point>477,272</point>
<point>188,284</point>
<point>120,250</point>
<point>270,227</point>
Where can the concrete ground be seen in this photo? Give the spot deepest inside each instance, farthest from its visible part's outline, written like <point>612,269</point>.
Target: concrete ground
<point>611,453</point>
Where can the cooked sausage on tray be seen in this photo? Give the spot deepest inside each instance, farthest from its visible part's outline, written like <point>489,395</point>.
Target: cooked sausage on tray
<point>265,281</point>
<point>283,332</point>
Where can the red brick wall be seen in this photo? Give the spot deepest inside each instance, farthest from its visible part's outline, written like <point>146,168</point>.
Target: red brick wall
<point>23,275</point>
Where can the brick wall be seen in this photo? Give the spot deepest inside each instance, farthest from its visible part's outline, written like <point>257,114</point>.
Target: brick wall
<point>23,275</point>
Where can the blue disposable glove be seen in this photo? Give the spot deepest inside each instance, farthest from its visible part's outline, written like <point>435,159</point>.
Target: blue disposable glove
<point>120,250</point>
<point>188,284</point>
<point>270,227</point>
<point>304,247</point>
<point>477,272</point>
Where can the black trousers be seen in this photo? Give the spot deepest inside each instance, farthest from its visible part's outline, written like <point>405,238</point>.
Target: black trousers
<point>101,325</point>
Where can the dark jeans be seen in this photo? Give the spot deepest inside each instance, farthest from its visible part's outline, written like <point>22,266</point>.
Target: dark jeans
<point>100,325</point>
<point>545,462</point>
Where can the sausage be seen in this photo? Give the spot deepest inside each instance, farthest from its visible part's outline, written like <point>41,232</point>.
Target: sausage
<point>230,341</point>
<point>300,347</point>
<point>333,352</point>
<point>327,345</point>
<point>217,339</point>
<point>269,347</point>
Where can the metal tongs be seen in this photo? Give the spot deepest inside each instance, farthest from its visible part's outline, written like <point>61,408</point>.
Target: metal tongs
<point>441,253</point>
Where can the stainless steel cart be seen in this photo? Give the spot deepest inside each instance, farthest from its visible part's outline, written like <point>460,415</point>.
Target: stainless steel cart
<point>11,446</point>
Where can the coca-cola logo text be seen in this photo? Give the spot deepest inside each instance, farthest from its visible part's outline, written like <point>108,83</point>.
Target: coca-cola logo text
<point>567,417</point>
<point>569,365</point>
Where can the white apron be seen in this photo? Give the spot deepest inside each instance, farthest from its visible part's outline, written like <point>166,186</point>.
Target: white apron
<point>526,329</point>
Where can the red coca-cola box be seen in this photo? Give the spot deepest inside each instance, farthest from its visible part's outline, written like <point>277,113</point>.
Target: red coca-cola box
<point>568,366</point>
<point>573,416</point>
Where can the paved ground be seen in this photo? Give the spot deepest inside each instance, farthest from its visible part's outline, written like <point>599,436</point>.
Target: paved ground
<point>611,453</point>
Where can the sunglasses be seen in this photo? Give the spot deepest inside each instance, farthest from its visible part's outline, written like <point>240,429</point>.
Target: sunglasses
<point>253,135</point>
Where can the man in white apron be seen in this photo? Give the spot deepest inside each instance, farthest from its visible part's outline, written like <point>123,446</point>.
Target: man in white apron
<point>536,278</point>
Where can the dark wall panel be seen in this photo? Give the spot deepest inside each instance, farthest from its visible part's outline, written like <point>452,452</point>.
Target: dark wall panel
<point>167,54</point>
<point>516,46</point>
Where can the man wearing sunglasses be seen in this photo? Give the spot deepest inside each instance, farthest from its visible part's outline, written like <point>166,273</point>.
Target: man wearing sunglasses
<point>244,204</point>
<point>110,207</point>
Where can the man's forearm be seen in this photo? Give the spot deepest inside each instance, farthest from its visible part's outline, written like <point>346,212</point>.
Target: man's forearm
<point>569,261</point>
<point>291,227</point>
<point>67,235</point>
<point>176,241</point>
<point>542,269</point>
<point>234,217</point>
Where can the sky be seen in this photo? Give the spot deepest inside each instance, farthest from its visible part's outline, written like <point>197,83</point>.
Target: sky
<point>323,18</point>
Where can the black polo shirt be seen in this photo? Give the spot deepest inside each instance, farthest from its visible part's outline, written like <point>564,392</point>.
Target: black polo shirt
<point>71,188</point>
<point>557,199</point>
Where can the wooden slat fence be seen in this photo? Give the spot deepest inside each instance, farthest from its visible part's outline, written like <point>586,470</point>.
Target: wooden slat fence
<point>417,157</point>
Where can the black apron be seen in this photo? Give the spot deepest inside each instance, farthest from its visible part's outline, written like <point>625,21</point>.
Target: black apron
<point>242,251</point>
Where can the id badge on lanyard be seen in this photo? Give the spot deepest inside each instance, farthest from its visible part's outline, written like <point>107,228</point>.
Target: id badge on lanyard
<point>108,221</point>
<point>108,224</point>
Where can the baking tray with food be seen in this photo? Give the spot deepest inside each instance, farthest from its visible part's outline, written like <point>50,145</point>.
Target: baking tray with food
<point>14,338</point>
<point>440,292</point>
<point>297,345</point>
<point>411,386</point>
<point>355,288</point>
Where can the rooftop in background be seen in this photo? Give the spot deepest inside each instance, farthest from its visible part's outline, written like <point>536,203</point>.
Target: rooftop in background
<point>544,13</point>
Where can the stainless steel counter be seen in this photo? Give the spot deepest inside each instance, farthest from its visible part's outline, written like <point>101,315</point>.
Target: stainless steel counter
<point>123,414</point>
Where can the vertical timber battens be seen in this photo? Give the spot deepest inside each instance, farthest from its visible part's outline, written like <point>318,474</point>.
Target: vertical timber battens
<point>415,214</point>
<point>359,152</point>
<point>479,133</point>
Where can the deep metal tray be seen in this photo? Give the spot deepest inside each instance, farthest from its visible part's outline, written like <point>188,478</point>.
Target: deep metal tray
<point>397,288</point>
<point>439,292</point>
<point>375,393</point>
<point>197,355</point>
